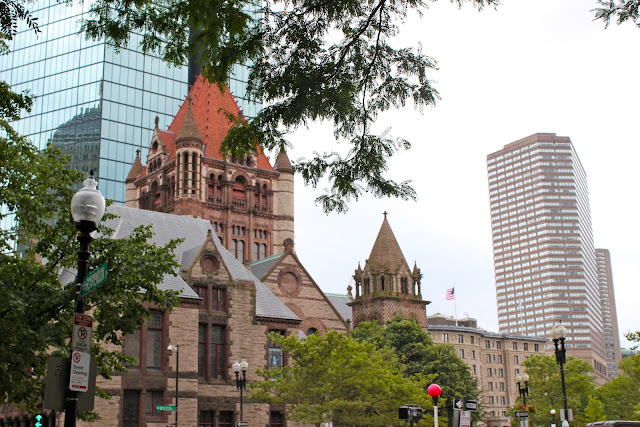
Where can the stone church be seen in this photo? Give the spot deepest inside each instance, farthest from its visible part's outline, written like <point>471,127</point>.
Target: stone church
<point>240,277</point>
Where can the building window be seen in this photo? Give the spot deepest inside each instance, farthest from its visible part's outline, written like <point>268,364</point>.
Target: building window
<point>473,354</point>
<point>460,338</point>
<point>131,347</point>
<point>536,347</point>
<point>216,366</point>
<point>516,359</point>
<point>445,337</point>
<point>219,299</point>
<point>515,345</point>
<point>499,358</point>
<point>492,401</point>
<point>499,345</point>
<point>473,339</point>
<point>487,344</point>
<point>404,285</point>
<point>274,355</point>
<point>501,386</point>
<point>202,293</point>
<point>501,373</point>
<point>488,358</point>
<point>151,400</point>
<point>503,400</point>
<point>490,386</point>
<point>205,419</point>
<point>461,352</point>
<point>474,369</point>
<point>276,419</point>
<point>130,408</point>
<point>517,371</point>
<point>526,346</point>
<point>202,350</point>
<point>154,340</point>
<point>225,419</point>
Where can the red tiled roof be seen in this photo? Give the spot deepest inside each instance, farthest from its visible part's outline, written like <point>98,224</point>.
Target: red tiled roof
<point>208,104</point>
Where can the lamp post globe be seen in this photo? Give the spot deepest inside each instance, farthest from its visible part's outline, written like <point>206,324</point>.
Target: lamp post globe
<point>241,383</point>
<point>434,390</point>
<point>88,204</point>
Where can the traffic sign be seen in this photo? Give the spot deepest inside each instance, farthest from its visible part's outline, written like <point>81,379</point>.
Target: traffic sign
<point>465,418</point>
<point>38,419</point>
<point>94,279</point>
<point>242,423</point>
<point>467,405</point>
<point>79,378</point>
<point>82,327</point>
<point>165,408</point>
<point>522,414</point>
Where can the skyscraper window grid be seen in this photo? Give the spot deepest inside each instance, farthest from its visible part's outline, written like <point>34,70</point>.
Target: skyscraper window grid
<point>544,257</point>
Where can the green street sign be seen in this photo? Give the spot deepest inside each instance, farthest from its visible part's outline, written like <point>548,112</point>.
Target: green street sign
<point>94,279</point>
<point>165,408</point>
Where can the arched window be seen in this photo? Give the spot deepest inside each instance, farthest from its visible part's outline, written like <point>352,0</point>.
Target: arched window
<point>193,173</point>
<point>154,196</point>
<point>239,193</point>
<point>185,173</point>
<point>382,283</point>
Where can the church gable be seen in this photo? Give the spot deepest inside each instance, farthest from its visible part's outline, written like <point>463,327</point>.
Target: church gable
<point>292,284</point>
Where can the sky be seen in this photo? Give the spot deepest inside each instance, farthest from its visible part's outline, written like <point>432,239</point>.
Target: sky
<point>528,66</point>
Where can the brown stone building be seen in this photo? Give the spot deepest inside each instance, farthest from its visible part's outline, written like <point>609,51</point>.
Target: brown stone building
<point>387,286</point>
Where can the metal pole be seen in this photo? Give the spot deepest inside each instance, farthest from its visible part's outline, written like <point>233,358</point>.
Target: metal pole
<point>177,376</point>
<point>244,378</point>
<point>84,238</point>
<point>435,416</point>
<point>564,394</point>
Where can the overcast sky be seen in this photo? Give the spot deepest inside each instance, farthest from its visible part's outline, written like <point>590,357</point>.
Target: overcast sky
<point>529,66</point>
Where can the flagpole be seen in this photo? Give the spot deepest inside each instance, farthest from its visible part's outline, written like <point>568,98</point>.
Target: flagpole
<point>455,310</point>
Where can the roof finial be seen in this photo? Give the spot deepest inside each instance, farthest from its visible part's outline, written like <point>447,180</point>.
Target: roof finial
<point>138,152</point>
<point>157,121</point>
<point>385,214</point>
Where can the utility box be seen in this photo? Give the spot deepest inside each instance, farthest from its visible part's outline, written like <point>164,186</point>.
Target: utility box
<point>57,385</point>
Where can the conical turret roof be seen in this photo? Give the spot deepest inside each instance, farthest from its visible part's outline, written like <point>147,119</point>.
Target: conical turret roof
<point>386,254</point>
<point>283,164</point>
<point>136,168</point>
<point>189,128</point>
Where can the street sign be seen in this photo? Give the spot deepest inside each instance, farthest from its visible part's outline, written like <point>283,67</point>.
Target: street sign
<point>467,405</point>
<point>242,423</point>
<point>82,326</point>
<point>38,419</point>
<point>94,279</point>
<point>465,418</point>
<point>165,408</point>
<point>563,418</point>
<point>79,378</point>
<point>522,414</point>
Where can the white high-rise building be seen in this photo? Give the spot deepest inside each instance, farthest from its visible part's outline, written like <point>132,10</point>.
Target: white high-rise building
<point>544,257</point>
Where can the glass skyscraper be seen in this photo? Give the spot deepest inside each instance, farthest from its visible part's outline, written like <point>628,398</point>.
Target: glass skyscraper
<point>99,106</point>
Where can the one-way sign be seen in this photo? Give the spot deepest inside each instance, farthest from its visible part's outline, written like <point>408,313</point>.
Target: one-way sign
<point>522,414</point>
<point>468,405</point>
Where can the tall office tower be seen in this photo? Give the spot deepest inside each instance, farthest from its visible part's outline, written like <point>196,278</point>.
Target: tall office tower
<point>609,313</point>
<point>545,263</point>
<point>99,106</point>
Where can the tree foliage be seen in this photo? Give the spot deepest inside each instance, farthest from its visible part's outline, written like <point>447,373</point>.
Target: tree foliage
<point>332,61</point>
<point>545,387</point>
<point>420,356</point>
<point>620,398</point>
<point>334,378</point>
<point>619,11</point>
<point>36,309</point>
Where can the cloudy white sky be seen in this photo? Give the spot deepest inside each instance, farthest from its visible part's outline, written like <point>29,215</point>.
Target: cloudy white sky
<point>529,66</point>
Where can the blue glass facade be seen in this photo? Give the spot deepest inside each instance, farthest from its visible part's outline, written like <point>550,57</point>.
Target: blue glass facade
<point>99,106</point>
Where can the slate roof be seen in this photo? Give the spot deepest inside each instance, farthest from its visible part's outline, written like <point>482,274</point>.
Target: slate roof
<point>340,302</point>
<point>386,254</point>
<point>194,232</point>
<point>261,267</point>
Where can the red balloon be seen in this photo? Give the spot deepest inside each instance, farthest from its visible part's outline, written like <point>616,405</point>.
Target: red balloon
<point>434,390</point>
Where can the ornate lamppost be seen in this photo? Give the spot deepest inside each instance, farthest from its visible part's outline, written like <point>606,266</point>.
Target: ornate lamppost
<point>241,383</point>
<point>553,418</point>
<point>177,350</point>
<point>87,209</point>
<point>523,390</point>
<point>558,335</point>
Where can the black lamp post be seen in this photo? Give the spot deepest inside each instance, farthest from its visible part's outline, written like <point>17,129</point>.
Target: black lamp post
<point>524,391</point>
<point>241,383</point>
<point>87,209</point>
<point>177,350</point>
<point>553,418</point>
<point>558,335</point>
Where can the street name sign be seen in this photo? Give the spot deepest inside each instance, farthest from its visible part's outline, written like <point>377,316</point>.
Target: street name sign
<point>94,279</point>
<point>79,377</point>
<point>82,327</point>
<point>165,408</point>
<point>468,405</point>
<point>522,414</point>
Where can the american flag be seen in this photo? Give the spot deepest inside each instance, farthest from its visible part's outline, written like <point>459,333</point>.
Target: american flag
<point>450,294</point>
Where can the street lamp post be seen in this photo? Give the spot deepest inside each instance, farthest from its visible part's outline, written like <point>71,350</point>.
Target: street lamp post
<point>241,383</point>
<point>176,348</point>
<point>524,391</point>
<point>558,335</point>
<point>87,209</point>
<point>553,418</point>
<point>435,391</point>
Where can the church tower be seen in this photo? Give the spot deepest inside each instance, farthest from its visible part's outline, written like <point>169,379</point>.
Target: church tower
<point>248,201</point>
<point>386,286</point>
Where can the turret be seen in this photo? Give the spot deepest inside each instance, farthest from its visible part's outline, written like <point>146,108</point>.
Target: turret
<point>283,227</point>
